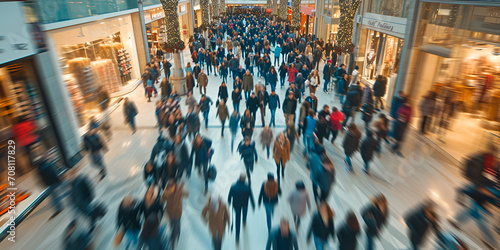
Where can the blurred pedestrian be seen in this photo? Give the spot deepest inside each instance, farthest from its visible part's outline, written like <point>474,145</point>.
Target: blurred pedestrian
<point>216,215</point>
<point>281,154</point>
<point>223,114</point>
<point>233,127</point>
<point>399,128</point>
<point>247,124</point>
<point>269,194</point>
<point>375,217</point>
<point>348,233</point>
<point>351,144</point>
<point>130,111</point>
<point>427,107</point>
<point>202,151</point>
<point>299,202</point>
<point>248,154</point>
<point>281,238</point>
<point>152,234</point>
<point>93,143</point>
<point>367,149</point>
<point>173,196</point>
<point>274,103</point>
<point>336,118</point>
<point>419,221</point>
<point>239,196</point>
<point>379,89</point>
<point>204,107</point>
<point>322,226</point>
<point>202,82</point>
<point>128,223</point>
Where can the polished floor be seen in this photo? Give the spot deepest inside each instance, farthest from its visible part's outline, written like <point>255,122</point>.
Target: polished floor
<point>424,173</point>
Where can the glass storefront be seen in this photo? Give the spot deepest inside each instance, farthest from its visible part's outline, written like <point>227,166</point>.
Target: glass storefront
<point>395,8</point>
<point>96,59</point>
<point>456,55</point>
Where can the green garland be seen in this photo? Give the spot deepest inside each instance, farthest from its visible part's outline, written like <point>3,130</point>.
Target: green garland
<point>274,8</point>
<point>295,15</point>
<point>222,8</point>
<point>283,11</point>
<point>215,9</point>
<point>205,18</point>
<point>174,42</point>
<point>348,10</point>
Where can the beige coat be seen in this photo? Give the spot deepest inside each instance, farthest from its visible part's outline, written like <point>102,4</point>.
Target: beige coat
<point>203,79</point>
<point>247,83</point>
<point>217,220</point>
<point>229,45</point>
<point>281,151</point>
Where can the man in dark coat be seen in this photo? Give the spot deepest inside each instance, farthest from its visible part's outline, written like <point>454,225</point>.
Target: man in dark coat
<point>48,173</point>
<point>196,72</point>
<point>327,74</point>
<point>368,146</point>
<point>93,143</point>
<point>289,108</point>
<point>249,155</point>
<point>299,84</point>
<point>351,103</point>
<point>129,221</point>
<point>274,103</point>
<point>239,195</point>
<point>379,89</point>
<point>419,221</point>
<point>247,124</point>
<point>202,149</point>
<point>253,105</point>
<point>282,238</point>
<point>235,64</point>
<point>375,217</point>
<point>166,67</point>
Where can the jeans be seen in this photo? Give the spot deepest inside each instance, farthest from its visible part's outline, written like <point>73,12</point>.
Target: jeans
<point>175,224</point>
<point>217,242</point>
<point>131,122</point>
<point>209,68</point>
<point>308,143</point>
<point>349,163</point>
<point>282,81</point>
<point>235,74</point>
<point>325,86</point>
<point>262,114</point>
<point>425,120</point>
<point>273,114</point>
<point>268,148</point>
<point>367,165</point>
<point>236,106</point>
<point>369,241</point>
<point>254,115</point>
<point>334,135</point>
<point>233,138</point>
<point>342,98</point>
<point>223,126</point>
<point>247,95</point>
<point>96,158</point>
<point>276,58</point>
<point>319,243</point>
<point>269,215</point>
<point>205,118</point>
<point>224,77</point>
<point>237,215</point>
<point>249,169</point>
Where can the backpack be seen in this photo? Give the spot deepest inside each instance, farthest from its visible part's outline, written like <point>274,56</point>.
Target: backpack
<point>271,189</point>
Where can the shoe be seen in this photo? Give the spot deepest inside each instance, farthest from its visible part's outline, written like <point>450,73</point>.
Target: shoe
<point>366,172</point>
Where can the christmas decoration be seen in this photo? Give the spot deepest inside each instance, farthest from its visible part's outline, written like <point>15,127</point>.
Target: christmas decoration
<point>295,15</point>
<point>274,7</point>
<point>269,4</point>
<point>222,7</point>
<point>215,9</point>
<point>205,18</point>
<point>174,42</point>
<point>283,11</point>
<point>452,18</point>
<point>347,12</point>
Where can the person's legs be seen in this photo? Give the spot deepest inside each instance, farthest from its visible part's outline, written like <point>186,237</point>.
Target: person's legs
<point>367,166</point>
<point>205,117</point>
<point>217,242</point>
<point>56,197</point>
<point>349,163</point>
<point>278,166</point>
<point>233,137</point>
<point>262,114</point>
<point>245,213</point>
<point>369,241</point>
<point>238,223</point>
<point>269,215</point>
<point>334,135</point>
<point>132,123</point>
<point>97,162</point>
<point>200,89</point>
<point>318,243</point>
<point>176,230</point>
<point>222,129</point>
<point>268,148</point>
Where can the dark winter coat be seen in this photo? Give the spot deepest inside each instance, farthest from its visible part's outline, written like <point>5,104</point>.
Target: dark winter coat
<point>189,81</point>
<point>353,98</point>
<point>205,105</point>
<point>248,153</point>
<point>48,172</point>
<point>236,97</point>
<point>233,123</point>
<point>290,106</point>
<point>223,92</point>
<point>319,229</point>
<point>418,224</point>
<point>351,142</point>
<point>275,236</point>
<point>129,217</point>
<point>274,102</point>
<point>239,194</point>
<point>347,238</point>
<point>368,146</point>
<point>253,104</point>
<point>374,219</point>
<point>379,88</point>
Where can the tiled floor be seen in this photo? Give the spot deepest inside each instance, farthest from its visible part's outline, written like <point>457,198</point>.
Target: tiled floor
<point>423,173</point>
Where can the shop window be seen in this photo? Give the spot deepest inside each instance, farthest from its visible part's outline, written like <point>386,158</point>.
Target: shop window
<point>395,8</point>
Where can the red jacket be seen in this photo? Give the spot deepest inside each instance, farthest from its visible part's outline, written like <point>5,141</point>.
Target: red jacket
<point>404,113</point>
<point>291,74</point>
<point>23,133</point>
<point>335,119</point>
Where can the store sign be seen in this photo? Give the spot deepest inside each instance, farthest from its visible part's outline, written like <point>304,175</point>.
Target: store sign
<point>153,15</point>
<point>18,38</point>
<point>382,25</point>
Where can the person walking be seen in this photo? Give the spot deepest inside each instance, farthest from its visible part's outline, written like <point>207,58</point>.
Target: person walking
<point>272,78</point>
<point>351,144</point>
<point>196,73</point>
<point>47,171</point>
<point>223,94</point>
<point>189,81</point>
<point>223,114</point>
<point>216,215</point>
<point>253,106</point>
<point>233,127</point>
<point>351,103</point>
<point>128,223</point>
<point>289,108</point>
<point>419,221</point>
<point>375,217</point>
<point>379,89</point>
<point>247,124</point>
<point>92,142</point>
<point>322,174</point>
<point>266,138</point>
<point>248,155</point>
<point>273,103</point>
<point>283,70</point>
<point>328,70</point>
<point>281,154</point>
<point>309,126</point>
<point>130,111</point>
<point>236,98</point>
<point>427,107</point>
<point>202,82</point>
<point>348,233</point>
<point>263,99</point>
<point>292,72</point>
<point>202,151</point>
<point>399,129</point>
<point>281,238</point>
<point>322,226</point>
<point>277,54</point>
<point>204,107</point>
<point>269,194</point>
<point>336,119</point>
<point>239,195</point>
<point>314,81</point>
<point>247,84</point>
<point>173,195</point>
<point>299,202</point>
<point>355,76</point>
<point>367,149</point>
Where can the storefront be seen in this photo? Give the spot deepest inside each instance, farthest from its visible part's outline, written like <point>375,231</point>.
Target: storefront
<point>379,52</point>
<point>456,54</point>
<point>96,60</point>
<point>328,19</point>
<point>155,29</point>
<point>307,19</point>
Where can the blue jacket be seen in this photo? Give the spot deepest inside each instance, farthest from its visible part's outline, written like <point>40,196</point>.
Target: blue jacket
<point>233,123</point>
<point>309,125</point>
<point>200,57</point>
<point>274,102</point>
<point>277,51</point>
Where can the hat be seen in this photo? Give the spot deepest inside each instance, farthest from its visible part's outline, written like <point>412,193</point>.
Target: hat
<point>329,61</point>
<point>300,185</point>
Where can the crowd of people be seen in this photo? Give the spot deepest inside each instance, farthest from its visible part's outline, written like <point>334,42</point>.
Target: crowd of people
<point>240,49</point>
